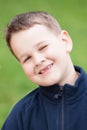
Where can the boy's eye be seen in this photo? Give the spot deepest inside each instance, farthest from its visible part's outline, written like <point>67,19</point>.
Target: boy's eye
<point>43,47</point>
<point>27,59</point>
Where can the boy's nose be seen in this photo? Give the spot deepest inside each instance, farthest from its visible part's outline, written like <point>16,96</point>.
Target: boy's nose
<point>38,59</point>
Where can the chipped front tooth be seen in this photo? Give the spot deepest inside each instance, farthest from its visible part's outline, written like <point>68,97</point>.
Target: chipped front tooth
<point>42,71</point>
<point>49,66</point>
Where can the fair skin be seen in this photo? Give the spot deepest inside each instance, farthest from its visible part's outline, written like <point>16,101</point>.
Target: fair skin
<point>44,56</point>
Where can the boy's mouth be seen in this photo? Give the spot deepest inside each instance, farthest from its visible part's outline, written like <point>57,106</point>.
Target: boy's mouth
<point>46,69</point>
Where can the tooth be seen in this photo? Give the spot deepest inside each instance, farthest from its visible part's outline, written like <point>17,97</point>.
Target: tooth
<point>42,71</point>
<point>49,66</point>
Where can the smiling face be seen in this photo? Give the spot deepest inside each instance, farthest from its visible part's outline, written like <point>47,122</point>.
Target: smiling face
<point>43,55</point>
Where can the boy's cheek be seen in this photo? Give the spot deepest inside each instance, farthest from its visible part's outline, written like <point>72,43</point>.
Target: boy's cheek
<point>28,71</point>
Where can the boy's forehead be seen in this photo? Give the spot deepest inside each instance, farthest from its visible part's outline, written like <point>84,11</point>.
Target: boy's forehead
<point>35,35</point>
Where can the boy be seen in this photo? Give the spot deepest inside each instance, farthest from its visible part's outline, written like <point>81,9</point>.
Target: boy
<point>42,48</point>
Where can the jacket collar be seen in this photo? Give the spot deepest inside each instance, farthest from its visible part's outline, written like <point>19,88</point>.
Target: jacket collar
<point>69,92</point>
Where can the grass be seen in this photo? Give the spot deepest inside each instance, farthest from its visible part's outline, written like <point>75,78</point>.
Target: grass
<point>71,15</point>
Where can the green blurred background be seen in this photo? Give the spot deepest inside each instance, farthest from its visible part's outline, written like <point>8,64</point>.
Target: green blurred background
<point>72,16</point>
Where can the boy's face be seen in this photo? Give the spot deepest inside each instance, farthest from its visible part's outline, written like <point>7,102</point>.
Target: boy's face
<point>43,55</point>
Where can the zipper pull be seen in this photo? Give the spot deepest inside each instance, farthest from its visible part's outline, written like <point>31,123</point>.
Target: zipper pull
<point>61,91</point>
<point>59,94</point>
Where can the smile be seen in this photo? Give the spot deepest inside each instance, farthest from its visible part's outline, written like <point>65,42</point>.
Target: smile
<point>46,69</point>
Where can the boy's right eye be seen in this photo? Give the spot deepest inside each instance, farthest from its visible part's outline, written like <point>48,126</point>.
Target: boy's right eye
<point>26,59</point>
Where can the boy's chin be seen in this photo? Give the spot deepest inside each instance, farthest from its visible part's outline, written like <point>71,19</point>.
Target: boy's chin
<point>48,84</point>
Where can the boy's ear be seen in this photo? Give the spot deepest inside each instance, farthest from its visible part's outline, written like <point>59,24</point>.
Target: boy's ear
<point>66,39</point>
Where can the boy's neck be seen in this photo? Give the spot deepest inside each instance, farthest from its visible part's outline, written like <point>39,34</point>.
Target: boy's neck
<point>71,79</point>
<point>75,77</point>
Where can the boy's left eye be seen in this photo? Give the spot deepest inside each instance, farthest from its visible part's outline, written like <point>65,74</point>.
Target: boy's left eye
<point>43,47</point>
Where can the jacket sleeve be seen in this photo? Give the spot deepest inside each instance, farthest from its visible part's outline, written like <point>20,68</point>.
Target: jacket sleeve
<point>17,119</point>
<point>14,121</point>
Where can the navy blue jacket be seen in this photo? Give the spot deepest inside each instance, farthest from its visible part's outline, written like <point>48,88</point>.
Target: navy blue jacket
<point>49,108</point>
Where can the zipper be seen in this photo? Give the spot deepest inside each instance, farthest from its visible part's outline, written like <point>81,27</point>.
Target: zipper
<point>62,108</point>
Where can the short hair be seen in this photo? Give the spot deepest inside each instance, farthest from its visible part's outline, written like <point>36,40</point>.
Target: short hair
<point>29,19</point>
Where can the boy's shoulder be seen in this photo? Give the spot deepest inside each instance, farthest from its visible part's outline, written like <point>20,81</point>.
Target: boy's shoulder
<point>21,109</point>
<point>27,101</point>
